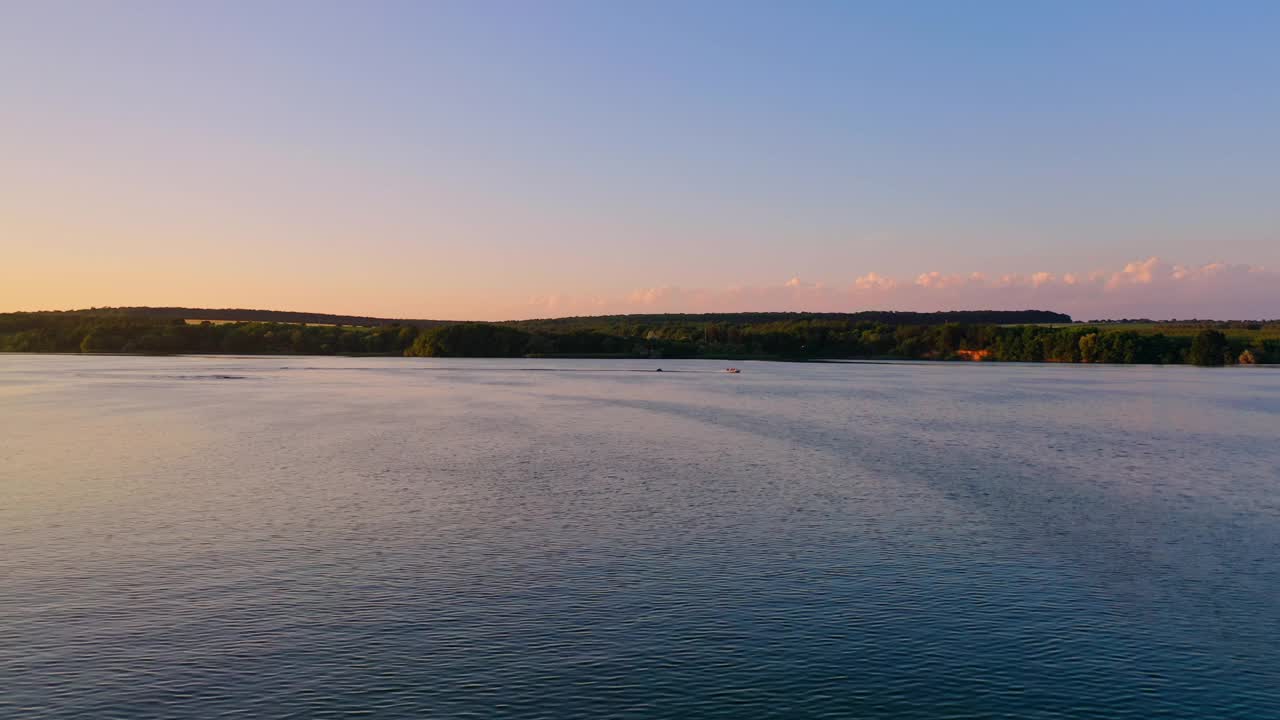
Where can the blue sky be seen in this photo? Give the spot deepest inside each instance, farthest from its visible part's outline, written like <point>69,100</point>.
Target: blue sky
<point>509,159</point>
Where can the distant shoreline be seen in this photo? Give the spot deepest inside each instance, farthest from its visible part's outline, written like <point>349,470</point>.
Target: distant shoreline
<point>974,336</point>
<point>815,360</point>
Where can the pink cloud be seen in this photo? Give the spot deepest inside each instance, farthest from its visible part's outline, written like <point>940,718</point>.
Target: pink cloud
<point>873,281</point>
<point>1145,288</point>
<point>1140,273</point>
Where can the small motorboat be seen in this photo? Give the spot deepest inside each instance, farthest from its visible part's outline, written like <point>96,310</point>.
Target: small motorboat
<point>732,370</point>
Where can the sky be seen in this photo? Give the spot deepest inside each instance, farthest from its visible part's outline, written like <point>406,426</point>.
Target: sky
<point>501,160</point>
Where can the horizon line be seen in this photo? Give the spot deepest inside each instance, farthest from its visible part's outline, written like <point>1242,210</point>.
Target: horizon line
<point>385,319</point>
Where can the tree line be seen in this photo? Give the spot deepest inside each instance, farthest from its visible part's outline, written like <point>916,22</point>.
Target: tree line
<point>41,332</point>
<point>763,336</point>
<point>240,314</point>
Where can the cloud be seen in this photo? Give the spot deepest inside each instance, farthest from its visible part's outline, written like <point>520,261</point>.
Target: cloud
<point>1150,288</point>
<point>1041,279</point>
<point>873,281</point>
<point>1139,273</point>
<point>652,296</point>
<point>934,279</point>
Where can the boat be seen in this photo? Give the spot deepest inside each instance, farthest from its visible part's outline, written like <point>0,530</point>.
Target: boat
<point>732,370</point>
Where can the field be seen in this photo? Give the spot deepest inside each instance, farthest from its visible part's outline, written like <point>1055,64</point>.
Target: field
<point>196,321</point>
<point>1245,332</point>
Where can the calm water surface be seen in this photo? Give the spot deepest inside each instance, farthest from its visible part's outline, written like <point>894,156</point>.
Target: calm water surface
<point>402,538</point>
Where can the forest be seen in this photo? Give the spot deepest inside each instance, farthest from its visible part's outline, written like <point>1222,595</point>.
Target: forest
<point>1030,336</point>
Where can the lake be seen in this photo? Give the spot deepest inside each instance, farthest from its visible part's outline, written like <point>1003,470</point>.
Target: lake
<point>320,537</point>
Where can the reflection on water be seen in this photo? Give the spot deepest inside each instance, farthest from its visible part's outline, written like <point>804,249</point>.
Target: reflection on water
<point>316,537</point>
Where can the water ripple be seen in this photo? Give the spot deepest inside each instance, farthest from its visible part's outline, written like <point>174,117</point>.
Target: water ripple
<point>800,541</point>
